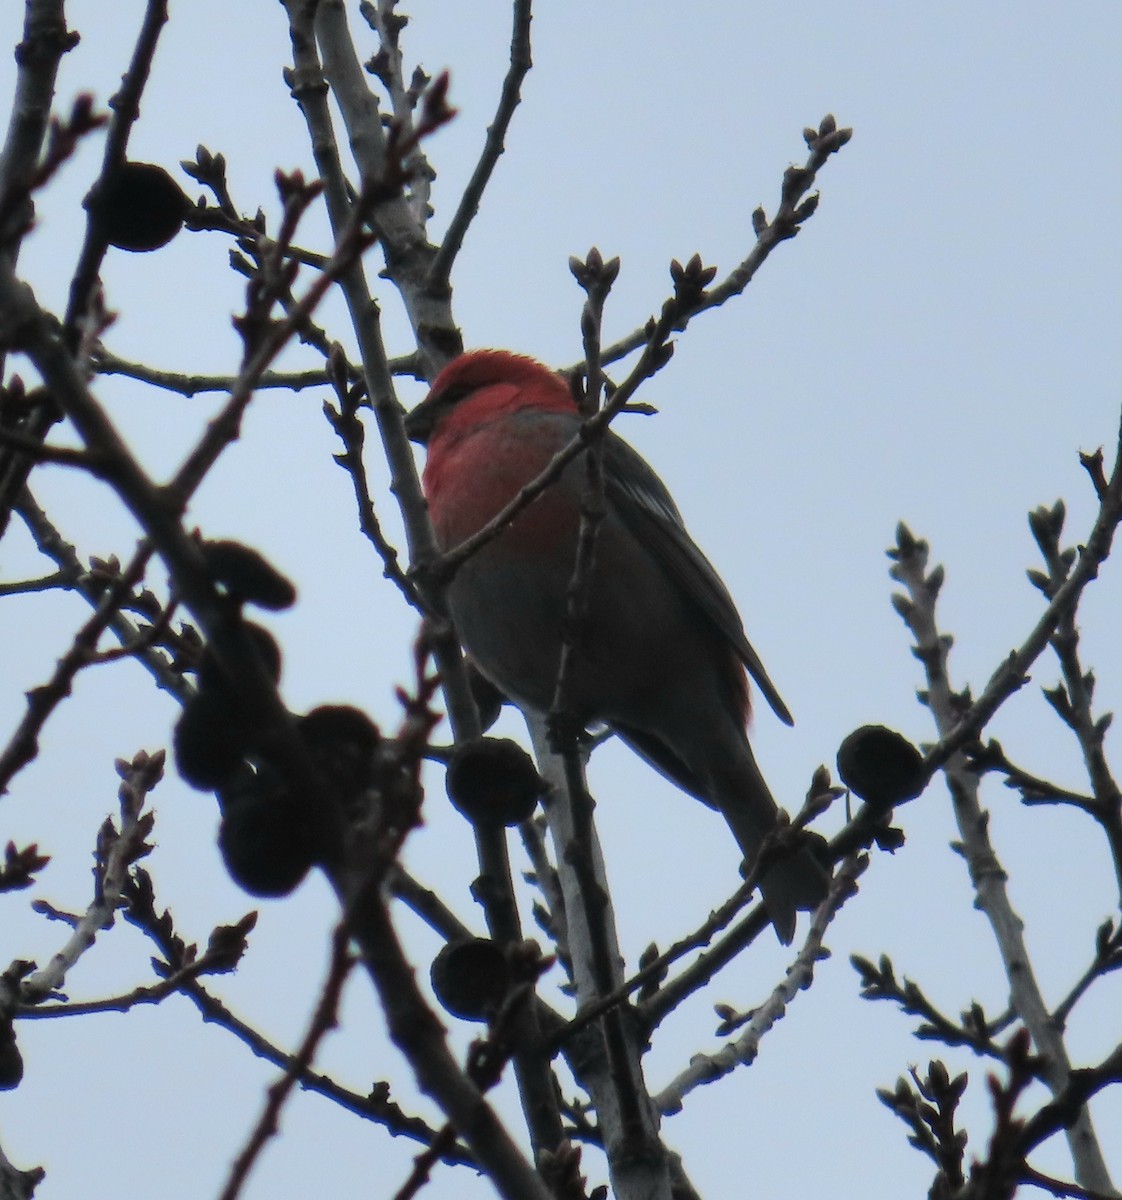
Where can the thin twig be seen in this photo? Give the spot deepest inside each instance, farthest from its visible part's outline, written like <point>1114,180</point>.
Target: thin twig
<point>1108,958</point>
<point>107,363</point>
<point>389,66</point>
<point>961,729</point>
<point>879,982</point>
<point>323,1020</point>
<point>1061,1188</point>
<point>15,467</point>
<point>194,385</point>
<point>550,915</point>
<point>345,421</point>
<point>427,905</point>
<point>957,727</point>
<point>177,983</point>
<point>225,427</point>
<point>705,1068</point>
<point>42,701</point>
<point>717,920</point>
<point>147,638</point>
<point>116,852</point>
<point>795,207</point>
<point>376,1106</point>
<point>54,546</point>
<point>440,270</point>
<point>37,451</point>
<point>56,581</point>
<point>222,219</point>
<point>1033,789</point>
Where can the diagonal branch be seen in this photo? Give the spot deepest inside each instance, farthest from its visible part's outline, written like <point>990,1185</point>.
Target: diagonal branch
<point>50,542</point>
<point>393,977</point>
<point>116,851</point>
<point>45,40</point>
<point>16,466</point>
<point>656,353</point>
<point>42,701</point>
<point>705,1068</point>
<point>440,271</point>
<point>797,204</point>
<point>957,729</point>
<point>323,1019</point>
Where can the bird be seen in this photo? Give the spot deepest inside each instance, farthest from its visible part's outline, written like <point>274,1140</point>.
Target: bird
<point>662,658</point>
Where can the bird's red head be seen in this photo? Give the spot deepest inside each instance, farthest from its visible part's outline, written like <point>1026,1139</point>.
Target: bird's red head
<point>510,381</point>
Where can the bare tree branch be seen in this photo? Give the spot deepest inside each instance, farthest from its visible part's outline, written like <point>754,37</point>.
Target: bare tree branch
<point>117,851</point>
<point>611,1066</point>
<point>957,722</point>
<point>706,1068</point>
<point>440,270</point>
<point>42,701</point>
<point>793,210</point>
<point>323,1020</point>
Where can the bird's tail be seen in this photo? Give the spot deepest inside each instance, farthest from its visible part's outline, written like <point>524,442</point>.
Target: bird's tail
<point>797,883</point>
<point>725,776</point>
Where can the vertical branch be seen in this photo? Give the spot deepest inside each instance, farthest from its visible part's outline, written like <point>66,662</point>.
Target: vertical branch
<point>628,1119</point>
<point>986,872</point>
<point>15,467</point>
<point>1072,700</point>
<point>418,1034</point>
<point>126,109</point>
<point>45,40</point>
<point>496,893</point>
<point>612,1073</point>
<point>407,249</point>
<point>520,62</point>
<point>324,1019</point>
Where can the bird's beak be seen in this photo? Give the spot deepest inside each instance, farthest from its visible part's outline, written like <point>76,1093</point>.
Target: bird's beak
<point>419,422</point>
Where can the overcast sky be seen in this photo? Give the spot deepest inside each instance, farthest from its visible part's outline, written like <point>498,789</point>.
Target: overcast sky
<point>936,346</point>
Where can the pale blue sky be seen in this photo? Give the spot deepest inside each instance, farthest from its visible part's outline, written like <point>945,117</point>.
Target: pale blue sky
<point>937,346</point>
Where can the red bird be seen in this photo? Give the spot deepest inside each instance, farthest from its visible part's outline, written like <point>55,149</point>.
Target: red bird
<point>662,654</point>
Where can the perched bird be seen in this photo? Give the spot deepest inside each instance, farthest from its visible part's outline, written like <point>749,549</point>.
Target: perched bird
<point>662,652</point>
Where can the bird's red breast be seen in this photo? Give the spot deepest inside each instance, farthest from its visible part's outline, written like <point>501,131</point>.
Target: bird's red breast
<point>488,446</point>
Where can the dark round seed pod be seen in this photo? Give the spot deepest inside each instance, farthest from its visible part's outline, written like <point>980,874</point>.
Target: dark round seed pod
<point>493,781</point>
<point>11,1061</point>
<point>266,838</point>
<point>342,742</point>
<point>211,674</point>
<point>140,206</point>
<point>881,766</point>
<point>248,575</point>
<point>488,699</point>
<point>470,978</point>
<point>209,739</point>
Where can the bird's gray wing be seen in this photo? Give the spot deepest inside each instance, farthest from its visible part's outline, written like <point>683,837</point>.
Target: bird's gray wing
<point>650,514</point>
